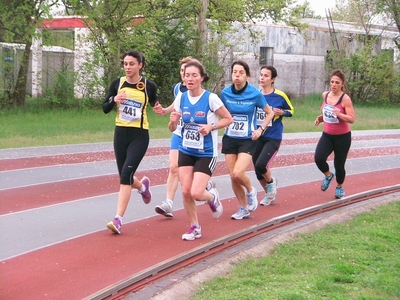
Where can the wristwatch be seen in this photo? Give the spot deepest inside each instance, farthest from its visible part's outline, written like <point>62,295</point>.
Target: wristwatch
<point>213,127</point>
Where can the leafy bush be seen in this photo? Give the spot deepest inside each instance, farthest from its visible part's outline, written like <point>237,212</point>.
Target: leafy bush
<point>61,90</point>
<point>371,75</point>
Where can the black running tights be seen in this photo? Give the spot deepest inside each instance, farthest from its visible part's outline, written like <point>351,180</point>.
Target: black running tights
<point>130,146</point>
<point>340,146</point>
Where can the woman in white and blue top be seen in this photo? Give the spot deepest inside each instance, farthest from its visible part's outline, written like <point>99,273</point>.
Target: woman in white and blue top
<point>238,144</point>
<point>200,111</point>
<point>165,208</point>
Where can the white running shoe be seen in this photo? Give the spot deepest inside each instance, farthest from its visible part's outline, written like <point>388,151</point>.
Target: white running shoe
<point>271,189</point>
<point>210,185</point>
<point>193,233</point>
<point>165,209</point>
<point>242,213</point>
<point>252,202</point>
<point>267,201</point>
<point>215,204</point>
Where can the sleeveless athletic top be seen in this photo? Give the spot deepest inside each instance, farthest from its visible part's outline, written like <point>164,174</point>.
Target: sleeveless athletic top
<point>132,112</point>
<point>194,143</point>
<point>332,124</point>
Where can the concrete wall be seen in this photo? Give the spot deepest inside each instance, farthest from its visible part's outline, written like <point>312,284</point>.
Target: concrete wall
<point>299,57</point>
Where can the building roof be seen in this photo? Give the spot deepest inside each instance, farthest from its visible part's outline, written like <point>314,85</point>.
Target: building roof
<point>352,27</point>
<point>64,22</point>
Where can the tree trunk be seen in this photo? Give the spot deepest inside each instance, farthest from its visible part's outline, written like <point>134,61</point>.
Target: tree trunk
<point>19,94</point>
<point>201,26</point>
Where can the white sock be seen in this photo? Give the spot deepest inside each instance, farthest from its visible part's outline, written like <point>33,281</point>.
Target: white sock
<point>169,202</point>
<point>251,192</point>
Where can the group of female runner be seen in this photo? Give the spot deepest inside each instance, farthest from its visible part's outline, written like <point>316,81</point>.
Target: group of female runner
<point>253,128</point>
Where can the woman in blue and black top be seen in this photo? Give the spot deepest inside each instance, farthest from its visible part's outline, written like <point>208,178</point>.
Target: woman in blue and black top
<point>242,100</point>
<point>268,144</point>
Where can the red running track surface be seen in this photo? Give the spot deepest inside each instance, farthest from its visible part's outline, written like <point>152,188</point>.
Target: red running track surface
<point>82,266</point>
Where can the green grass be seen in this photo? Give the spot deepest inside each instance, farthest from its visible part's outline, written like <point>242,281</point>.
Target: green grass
<point>43,127</point>
<point>59,127</point>
<point>358,259</point>
<point>367,117</point>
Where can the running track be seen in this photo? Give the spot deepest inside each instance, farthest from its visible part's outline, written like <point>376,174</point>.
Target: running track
<point>56,201</point>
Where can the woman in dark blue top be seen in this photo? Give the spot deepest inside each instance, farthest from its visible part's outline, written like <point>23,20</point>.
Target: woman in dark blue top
<point>268,144</point>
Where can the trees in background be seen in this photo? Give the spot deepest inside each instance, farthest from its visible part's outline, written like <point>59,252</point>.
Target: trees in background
<point>165,31</point>
<point>368,13</point>
<point>391,10</point>
<point>373,73</point>
<point>18,22</point>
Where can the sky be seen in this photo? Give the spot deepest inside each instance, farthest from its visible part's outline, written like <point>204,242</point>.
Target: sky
<point>319,6</point>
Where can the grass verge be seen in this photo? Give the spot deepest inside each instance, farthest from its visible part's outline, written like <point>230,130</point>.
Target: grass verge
<point>46,127</point>
<point>355,260</point>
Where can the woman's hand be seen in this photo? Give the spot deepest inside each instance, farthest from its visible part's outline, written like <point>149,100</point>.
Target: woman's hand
<point>205,129</point>
<point>120,97</point>
<point>256,133</point>
<point>318,120</point>
<point>173,120</point>
<point>175,116</point>
<point>158,109</point>
<point>278,111</point>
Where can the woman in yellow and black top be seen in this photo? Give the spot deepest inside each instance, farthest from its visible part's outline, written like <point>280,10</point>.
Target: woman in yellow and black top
<point>131,93</point>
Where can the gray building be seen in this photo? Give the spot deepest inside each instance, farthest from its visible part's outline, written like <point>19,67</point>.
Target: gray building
<point>300,56</point>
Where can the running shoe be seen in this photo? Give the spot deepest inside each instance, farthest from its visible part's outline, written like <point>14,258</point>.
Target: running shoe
<point>115,225</point>
<point>146,195</point>
<point>215,204</point>
<point>193,233</point>
<point>210,185</point>
<point>252,202</point>
<point>326,182</point>
<point>271,189</point>
<point>242,213</point>
<point>165,209</point>
<point>266,200</point>
<point>339,193</point>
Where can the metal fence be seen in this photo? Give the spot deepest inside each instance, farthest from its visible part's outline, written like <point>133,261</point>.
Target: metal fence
<point>53,59</point>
